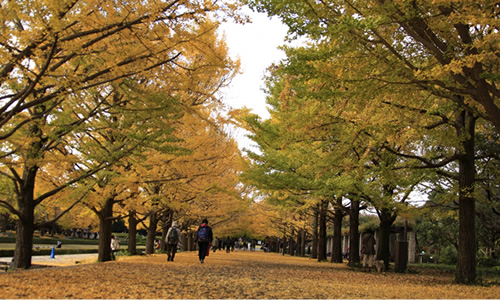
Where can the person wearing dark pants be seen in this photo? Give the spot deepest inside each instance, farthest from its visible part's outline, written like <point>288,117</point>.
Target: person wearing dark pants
<point>173,238</point>
<point>115,246</point>
<point>204,237</point>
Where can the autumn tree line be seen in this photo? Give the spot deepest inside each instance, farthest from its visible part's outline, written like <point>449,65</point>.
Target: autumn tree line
<point>383,102</point>
<point>111,110</point>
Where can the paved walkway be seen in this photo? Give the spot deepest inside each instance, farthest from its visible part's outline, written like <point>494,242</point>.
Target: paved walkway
<point>59,260</point>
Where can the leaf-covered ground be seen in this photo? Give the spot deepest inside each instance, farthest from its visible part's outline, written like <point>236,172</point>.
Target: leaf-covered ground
<point>233,275</point>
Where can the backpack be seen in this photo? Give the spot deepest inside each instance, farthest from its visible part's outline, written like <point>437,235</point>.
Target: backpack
<point>203,234</point>
<point>173,236</point>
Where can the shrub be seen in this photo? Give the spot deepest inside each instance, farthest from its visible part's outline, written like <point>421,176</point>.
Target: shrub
<point>488,262</point>
<point>448,255</point>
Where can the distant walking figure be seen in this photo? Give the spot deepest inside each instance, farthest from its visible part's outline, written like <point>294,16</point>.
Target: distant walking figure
<point>115,246</point>
<point>173,238</point>
<point>204,237</point>
<point>368,249</point>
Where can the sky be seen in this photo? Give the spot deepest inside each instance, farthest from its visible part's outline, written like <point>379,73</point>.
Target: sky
<point>256,45</point>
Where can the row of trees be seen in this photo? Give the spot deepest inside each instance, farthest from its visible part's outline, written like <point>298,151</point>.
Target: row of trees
<point>111,108</point>
<point>385,99</point>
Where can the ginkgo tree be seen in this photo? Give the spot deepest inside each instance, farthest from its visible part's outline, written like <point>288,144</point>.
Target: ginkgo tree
<point>57,55</point>
<point>307,147</point>
<point>444,48</point>
<point>211,187</point>
<point>188,177</point>
<point>153,127</point>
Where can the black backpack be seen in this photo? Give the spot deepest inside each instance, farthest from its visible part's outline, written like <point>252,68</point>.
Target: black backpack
<point>173,236</point>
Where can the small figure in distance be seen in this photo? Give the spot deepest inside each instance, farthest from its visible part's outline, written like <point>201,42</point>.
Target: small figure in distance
<point>115,246</point>
<point>368,249</point>
<point>173,238</point>
<point>215,245</point>
<point>204,237</point>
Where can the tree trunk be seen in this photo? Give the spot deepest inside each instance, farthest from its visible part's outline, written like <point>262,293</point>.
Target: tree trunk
<point>150,240</point>
<point>298,252</point>
<point>303,242</point>
<point>25,202</point>
<point>383,241</point>
<point>166,224</point>
<point>337,235</point>
<point>184,241</point>
<point>105,231</point>
<point>132,233</point>
<point>314,252</point>
<point>189,242</point>
<point>467,244</point>
<point>164,230</point>
<point>300,247</point>
<point>322,232</point>
<point>24,239</point>
<point>354,233</point>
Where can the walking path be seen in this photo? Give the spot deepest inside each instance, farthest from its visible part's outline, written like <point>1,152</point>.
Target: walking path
<point>58,260</point>
<point>235,275</point>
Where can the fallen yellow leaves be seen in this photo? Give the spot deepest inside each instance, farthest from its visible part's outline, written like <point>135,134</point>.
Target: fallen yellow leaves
<point>233,275</point>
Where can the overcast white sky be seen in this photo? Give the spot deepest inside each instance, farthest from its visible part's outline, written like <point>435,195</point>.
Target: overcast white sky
<point>256,45</point>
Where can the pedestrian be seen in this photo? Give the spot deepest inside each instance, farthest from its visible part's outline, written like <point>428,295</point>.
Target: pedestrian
<point>115,246</point>
<point>215,245</point>
<point>368,249</point>
<point>173,238</point>
<point>204,237</point>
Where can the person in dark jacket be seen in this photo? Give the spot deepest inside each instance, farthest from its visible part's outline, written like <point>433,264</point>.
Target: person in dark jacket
<point>204,237</point>
<point>173,238</point>
<point>368,249</point>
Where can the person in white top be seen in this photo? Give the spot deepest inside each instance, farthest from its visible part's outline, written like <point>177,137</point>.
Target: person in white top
<point>115,246</point>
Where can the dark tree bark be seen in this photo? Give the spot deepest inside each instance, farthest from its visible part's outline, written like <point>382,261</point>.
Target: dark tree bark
<point>132,233</point>
<point>291,244</point>
<point>303,242</point>
<point>467,244</point>
<point>354,233</point>
<point>337,233</point>
<point>300,247</point>
<point>383,242</point>
<point>190,242</point>
<point>24,238</point>
<point>164,230</point>
<point>150,239</point>
<point>105,230</point>
<point>26,203</point>
<point>322,231</point>
<point>314,251</point>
